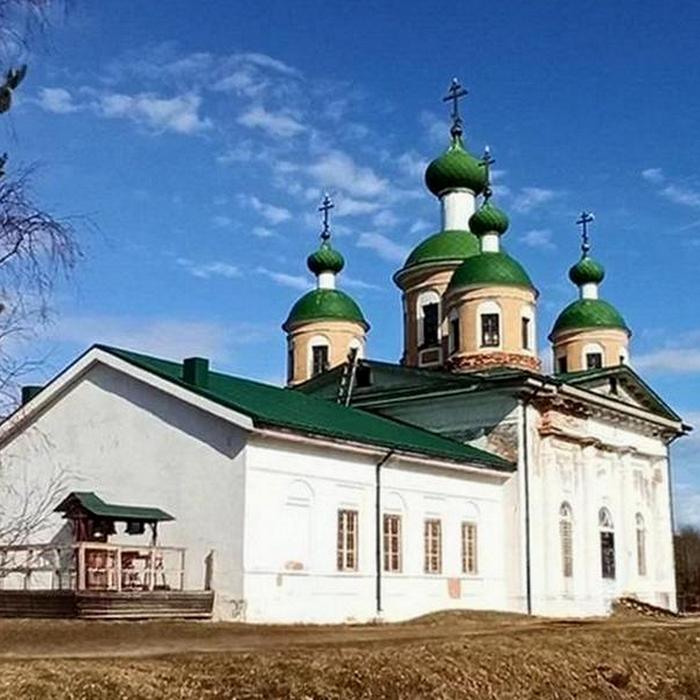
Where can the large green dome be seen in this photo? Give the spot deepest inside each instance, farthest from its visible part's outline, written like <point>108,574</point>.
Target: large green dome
<point>325,259</point>
<point>324,305</point>
<point>442,247</point>
<point>492,269</point>
<point>455,168</point>
<point>588,313</point>
<point>587,271</point>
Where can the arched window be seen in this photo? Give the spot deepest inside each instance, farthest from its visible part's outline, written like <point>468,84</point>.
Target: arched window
<point>489,324</point>
<point>641,545</point>
<point>319,355</point>
<point>566,538</point>
<point>454,342</point>
<point>593,356</point>
<point>428,317</point>
<point>527,329</point>
<point>607,543</point>
<point>359,345</point>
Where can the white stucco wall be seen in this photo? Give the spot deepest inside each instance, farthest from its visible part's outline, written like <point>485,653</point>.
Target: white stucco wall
<point>279,471</point>
<point>135,445</point>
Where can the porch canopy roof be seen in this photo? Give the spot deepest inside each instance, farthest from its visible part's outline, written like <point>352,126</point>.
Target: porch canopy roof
<point>93,505</point>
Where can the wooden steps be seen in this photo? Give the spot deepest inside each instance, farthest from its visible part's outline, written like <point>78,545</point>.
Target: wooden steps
<point>107,605</point>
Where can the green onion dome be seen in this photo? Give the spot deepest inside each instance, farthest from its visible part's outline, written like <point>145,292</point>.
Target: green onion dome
<point>324,305</point>
<point>325,259</point>
<point>586,271</point>
<point>491,269</point>
<point>488,219</point>
<point>588,313</point>
<point>455,168</point>
<point>445,246</point>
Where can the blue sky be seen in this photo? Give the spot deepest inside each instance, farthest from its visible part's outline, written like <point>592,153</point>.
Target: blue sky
<point>199,137</point>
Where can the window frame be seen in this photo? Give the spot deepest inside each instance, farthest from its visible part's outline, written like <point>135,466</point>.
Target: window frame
<point>347,541</point>
<point>606,530</point>
<point>392,543</point>
<point>432,546</point>
<point>470,548</point>
<point>495,340</point>
<point>454,332</point>
<point>525,332</point>
<point>597,363</point>
<point>434,340</point>
<point>641,532</point>
<point>566,540</point>
<point>326,359</point>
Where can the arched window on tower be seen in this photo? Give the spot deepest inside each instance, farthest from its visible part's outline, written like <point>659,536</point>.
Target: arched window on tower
<point>607,543</point>
<point>428,318</point>
<point>527,329</point>
<point>641,545</point>
<point>593,356</point>
<point>319,355</point>
<point>566,539</point>
<point>454,341</point>
<point>489,320</point>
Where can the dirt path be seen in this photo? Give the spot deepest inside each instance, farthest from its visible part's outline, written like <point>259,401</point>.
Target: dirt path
<point>31,639</point>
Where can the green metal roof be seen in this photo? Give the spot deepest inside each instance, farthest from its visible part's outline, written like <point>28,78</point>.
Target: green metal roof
<point>455,168</point>
<point>325,305</point>
<point>493,269</point>
<point>325,259</point>
<point>272,406</point>
<point>94,505</point>
<point>488,219</point>
<point>444,246</point>
<point>585,271</point>
<point>588,313</point>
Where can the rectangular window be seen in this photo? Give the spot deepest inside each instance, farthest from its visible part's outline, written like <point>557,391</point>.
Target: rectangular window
<point>319,359</point>
<point>525,332</point>
<point>567,547</point>
<point>454,334</point>
<point>469,549</point>
<point>347,540</point>
<point>562,365</point>
<point>490,336</point>
<point>430,325</point>
<point>392,543</point>
<point>607,554</point>
<point>290,364</point>
<point>594,360</point>
<point>432,538</point>
<point>641,552</point>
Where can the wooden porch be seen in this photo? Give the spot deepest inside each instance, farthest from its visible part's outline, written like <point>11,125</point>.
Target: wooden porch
<point>96,580</point>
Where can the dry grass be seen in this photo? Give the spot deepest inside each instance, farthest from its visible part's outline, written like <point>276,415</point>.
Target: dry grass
<point>441,656</point>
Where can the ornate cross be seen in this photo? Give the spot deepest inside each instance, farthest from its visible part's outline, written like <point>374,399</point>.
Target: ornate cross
<point>325,207</point>
<point>487,161</point>
<point>583,221</point>
<point>454,95</point>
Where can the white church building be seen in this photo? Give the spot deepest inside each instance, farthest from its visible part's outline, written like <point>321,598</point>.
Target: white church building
<point>460,477</point>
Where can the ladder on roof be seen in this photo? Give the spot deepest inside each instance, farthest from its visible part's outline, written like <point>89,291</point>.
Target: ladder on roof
<point>347,379</point>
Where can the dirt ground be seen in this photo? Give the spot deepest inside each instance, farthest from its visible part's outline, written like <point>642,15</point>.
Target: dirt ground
<point>447,655</point>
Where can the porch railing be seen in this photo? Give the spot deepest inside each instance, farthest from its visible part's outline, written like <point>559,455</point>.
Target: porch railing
<point>92,566</point>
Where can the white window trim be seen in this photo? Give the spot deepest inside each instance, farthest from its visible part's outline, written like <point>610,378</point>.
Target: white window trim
<point>489,307</point>
<point>592,348</point>
<point>316,341</point>
<point>425,298</point>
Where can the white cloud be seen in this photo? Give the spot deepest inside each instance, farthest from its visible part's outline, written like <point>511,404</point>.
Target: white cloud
<point>165,337</point>
<point>680,194</point>
<point>528,198</point>
<point>275,124</point>
<point>654,175</point>
<point>57,100</point>
<point>210,269</point>
<point>263,232</point>
<point>243,152</point>
<point>385,219</point>
<point>338,169</point>
<point>420,226</point>
<point>540,238</point>
<point>271,213</point>
<point>349,206</point>
<point>412,164</point>
<point>383,246</point>
<point>282,278</point>
<point>353,283</point>
<point>670,360</point>
<point>179,114</point>
<point>437,128</point>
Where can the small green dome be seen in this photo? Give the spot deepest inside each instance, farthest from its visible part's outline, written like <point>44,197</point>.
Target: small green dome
<point>492,269</point>
<point>325,259</point>
<point>588,313</point>
<point>488,219</point>
<point>586,270</point>
<point>443,246</point>
<point>325,305</point>
<point>455,168</point>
